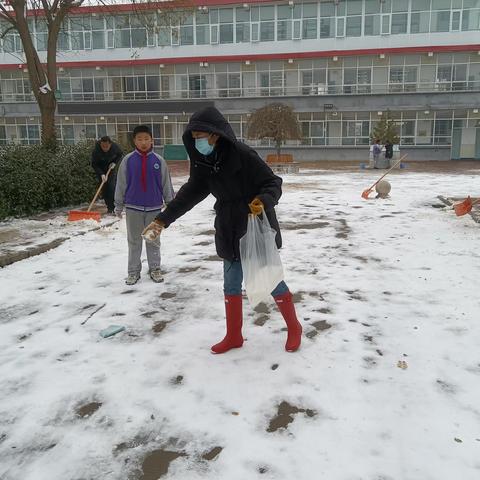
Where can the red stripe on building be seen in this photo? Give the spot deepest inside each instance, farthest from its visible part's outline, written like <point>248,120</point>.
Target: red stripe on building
<point>259,57</point>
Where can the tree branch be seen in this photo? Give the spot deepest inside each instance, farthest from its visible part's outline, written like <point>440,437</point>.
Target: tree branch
<point>48,13</point>
<point>5,33</point>
<point>5,14</point>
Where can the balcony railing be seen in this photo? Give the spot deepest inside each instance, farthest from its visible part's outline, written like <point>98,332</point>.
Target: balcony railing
<point>311,90</point>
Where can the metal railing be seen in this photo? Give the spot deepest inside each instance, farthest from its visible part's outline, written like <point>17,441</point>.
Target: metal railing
<point>251,92</point>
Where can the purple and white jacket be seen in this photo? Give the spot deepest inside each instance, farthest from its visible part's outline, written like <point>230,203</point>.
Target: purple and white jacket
<point>143,182</point>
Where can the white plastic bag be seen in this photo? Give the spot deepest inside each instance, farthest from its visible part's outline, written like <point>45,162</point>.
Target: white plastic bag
<point>261,263</point>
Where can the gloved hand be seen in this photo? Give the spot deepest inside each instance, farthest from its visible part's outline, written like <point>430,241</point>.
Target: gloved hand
<point>111,166</point>
<point>256,206</point>
<point>104,178</point>
<point>153,230</point>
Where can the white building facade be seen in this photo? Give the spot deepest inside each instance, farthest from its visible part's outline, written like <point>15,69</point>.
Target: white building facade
<point>341,64</point>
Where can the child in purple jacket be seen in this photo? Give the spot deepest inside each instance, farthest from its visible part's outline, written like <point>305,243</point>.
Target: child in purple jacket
<point>143,188</point>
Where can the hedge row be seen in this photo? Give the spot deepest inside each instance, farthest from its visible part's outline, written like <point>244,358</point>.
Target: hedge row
<point>34,179</point>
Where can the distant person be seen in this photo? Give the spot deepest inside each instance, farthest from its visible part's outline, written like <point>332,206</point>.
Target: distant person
<point>143,188</point>
<point>388,150</point>
<point>376,150</point>
<point>104,155</point>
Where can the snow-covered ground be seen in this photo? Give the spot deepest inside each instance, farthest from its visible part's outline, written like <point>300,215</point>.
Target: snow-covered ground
<point>386,385</point>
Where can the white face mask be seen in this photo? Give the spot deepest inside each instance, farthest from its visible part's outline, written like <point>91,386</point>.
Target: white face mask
<point>202,145</point>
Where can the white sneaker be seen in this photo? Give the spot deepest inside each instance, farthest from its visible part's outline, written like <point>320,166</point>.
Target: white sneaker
<point>132,278</point>
<point>156,275</point>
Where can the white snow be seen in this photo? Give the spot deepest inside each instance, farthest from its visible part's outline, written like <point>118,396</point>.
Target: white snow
<point>396,279</point>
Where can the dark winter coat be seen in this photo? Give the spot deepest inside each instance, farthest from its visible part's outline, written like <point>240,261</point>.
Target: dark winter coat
<point>234,174</point>
<point>101,160</point>
<point>388,150</point>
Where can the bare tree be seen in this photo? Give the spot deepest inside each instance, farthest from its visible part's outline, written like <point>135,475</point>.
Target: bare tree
<point>43,75</point>
<point>276,121</point>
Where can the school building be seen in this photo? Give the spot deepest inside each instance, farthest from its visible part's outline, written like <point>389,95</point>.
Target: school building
<point>341,64</point>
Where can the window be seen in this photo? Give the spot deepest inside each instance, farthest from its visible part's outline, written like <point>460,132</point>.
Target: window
<point>372,25</point>
<point>267,25</point>
<point>41,34</point>
<point>202,28</point>
<point>3,135</point>
<point>350,80</point>
<point>68,135</point>
<point>186,31</point>
<point>420,5</point>
<point>440,21</point>
<point>327,9</point>
<point>444,73</point>
<point>226,25</point>
<point>29,134</point>
<point>309,26</point>
<point>399,23</point>
<point>364,79</point>
<point>400,6</point>
<point>340,26</point>
<point>139,37</point>
<point>459,77</point>
<point>297,26</point>
<point>98,33</point>
<point>385,24</point>
<point>327,27</point>
<point>471,20</point>
<point>354,26</point>
<point>443,132</point>
<point>284,23</point>
<point>153,86</point>
<point>354,7</point>
<point>197,86</point>
<point>420,22</point>
<point>456,15</point>
<point>372,6</point>
<point>164,36</point>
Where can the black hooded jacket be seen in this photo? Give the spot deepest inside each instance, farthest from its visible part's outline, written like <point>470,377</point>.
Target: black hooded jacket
<point>234,174</point>
<point>101,160</point>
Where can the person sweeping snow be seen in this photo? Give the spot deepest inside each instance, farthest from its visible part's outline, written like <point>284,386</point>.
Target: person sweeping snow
<point>242,183</point>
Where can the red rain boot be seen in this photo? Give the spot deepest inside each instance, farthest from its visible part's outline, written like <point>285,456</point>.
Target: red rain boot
<point>287,309</point>
<point>233,312</point>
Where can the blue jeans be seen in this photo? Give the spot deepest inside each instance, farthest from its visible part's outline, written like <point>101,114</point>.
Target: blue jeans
<point>233,277</point>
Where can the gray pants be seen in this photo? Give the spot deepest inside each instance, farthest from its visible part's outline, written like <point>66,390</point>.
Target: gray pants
<point>136,222</point>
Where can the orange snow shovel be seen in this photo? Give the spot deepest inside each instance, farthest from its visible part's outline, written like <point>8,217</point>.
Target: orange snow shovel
<point>368,191</point>
<point>465,207</point>
<point>74,215</point>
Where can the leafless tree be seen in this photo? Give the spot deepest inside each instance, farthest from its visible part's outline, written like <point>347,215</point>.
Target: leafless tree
<point>43,75</point>
<point>275,121</point>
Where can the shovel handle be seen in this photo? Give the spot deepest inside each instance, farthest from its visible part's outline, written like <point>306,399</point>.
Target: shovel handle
<point>99,189</point>
<point>388,171</point>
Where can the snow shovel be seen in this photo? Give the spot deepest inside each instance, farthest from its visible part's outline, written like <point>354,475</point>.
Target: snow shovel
<point>368,191</point>
<point>465,207</point>
<point>74,215</point>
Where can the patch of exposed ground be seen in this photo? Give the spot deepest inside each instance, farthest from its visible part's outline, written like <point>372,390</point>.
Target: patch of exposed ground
<point>159,326</point>
<point>260,321</point>
<point>212,454</point>
<point>304,225</point>
<point>319,326</point>
<point>88,409</point>
<point>157,462</point>
<point>285,416</point>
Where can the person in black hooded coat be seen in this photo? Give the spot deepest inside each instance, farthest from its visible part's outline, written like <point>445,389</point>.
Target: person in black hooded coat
<point>242,183</point>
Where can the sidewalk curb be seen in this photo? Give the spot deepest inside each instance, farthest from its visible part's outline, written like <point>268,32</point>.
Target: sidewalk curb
<point>11,258</point>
